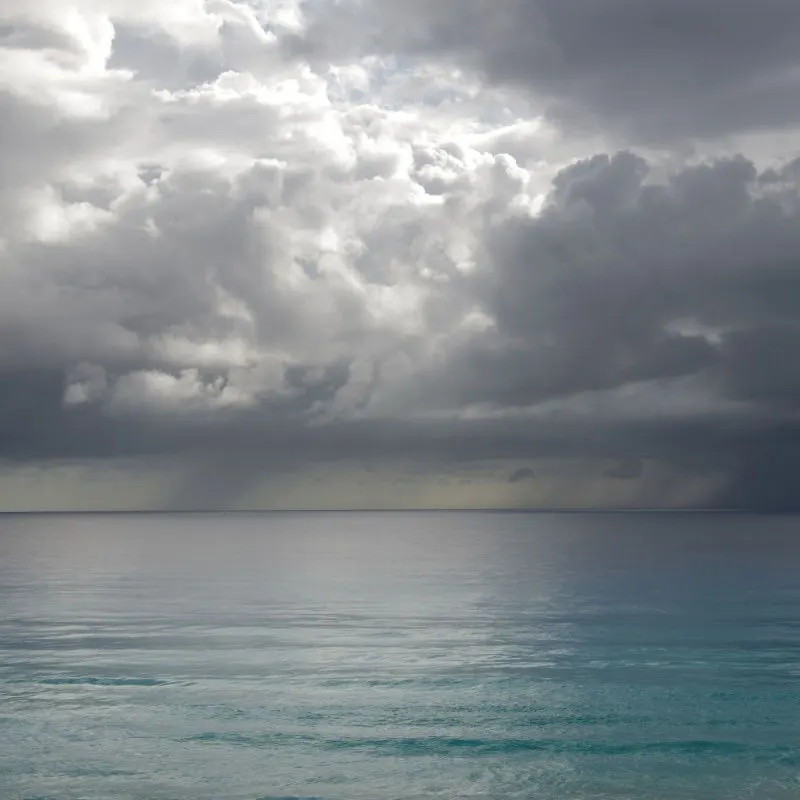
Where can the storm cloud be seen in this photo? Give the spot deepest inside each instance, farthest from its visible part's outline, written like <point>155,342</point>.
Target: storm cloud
<point>256,241</point>
<point>646,69</point>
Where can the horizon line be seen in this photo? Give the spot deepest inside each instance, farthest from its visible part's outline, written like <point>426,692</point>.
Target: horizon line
<point>379,510</point>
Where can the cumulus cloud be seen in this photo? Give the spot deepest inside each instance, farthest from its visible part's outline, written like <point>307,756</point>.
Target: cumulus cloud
<point>232,242</point>
<point>653,70</point>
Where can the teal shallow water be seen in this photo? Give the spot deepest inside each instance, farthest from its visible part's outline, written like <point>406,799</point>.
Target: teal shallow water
<point>389,656</point>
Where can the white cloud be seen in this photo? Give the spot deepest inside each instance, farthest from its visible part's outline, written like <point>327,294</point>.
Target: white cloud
<point>158,391</point>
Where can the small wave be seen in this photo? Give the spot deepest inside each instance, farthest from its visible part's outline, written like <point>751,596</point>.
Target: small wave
<point>449,746</point>
<point>96,681</point>
<point>249,740</point>
<point>478,746</point>
<point>287,797</point>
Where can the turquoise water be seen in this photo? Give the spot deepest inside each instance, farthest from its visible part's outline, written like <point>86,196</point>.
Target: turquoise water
<point>389,656</point>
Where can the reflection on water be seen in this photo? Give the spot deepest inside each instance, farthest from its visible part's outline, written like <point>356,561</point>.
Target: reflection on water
<point>399,656</point>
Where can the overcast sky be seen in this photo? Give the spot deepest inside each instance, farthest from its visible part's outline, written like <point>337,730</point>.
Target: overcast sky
<point>360,253</point>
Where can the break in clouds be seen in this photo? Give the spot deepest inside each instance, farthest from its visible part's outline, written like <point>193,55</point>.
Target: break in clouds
<point>511,253</point>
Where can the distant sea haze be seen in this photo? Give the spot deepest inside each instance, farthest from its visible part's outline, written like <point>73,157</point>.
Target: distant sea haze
<point>385,656</point>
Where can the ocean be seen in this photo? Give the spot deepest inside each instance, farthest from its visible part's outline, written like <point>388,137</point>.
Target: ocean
<point>399,656</point>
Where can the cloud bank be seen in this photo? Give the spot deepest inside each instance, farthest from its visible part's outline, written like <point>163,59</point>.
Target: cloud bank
<point>255,242</point>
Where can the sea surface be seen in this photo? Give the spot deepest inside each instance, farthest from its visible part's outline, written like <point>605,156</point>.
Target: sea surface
<point>399,656</point>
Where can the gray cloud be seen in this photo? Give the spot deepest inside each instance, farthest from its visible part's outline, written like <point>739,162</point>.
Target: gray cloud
<point>215,255</point>
<point>650,69</point>
<point>623,279</point>
<point>521,475</point>
<point>618,284</point>
<point>599,310</point>
<point>626,470</point>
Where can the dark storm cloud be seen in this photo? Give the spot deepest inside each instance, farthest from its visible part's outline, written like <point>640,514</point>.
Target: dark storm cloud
<point>265,436</point>
<point>622,283</point>
<point>623,279</point>
<point>761,364</point>
<point>212,254</point>
<point>626,470</point>
<point>766,476</point>
<point>655,69</point>
<point>521,475</point>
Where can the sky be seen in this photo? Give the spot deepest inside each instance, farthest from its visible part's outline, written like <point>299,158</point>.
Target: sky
<point>371,254</point>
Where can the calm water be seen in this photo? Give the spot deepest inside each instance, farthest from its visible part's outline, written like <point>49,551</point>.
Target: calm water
<point>389,656</point>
